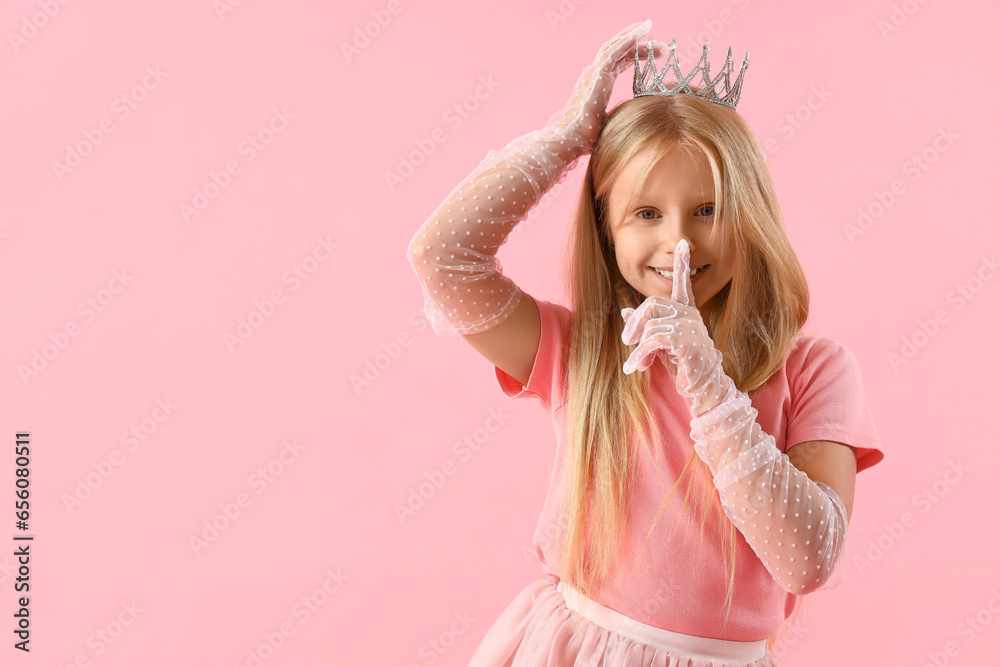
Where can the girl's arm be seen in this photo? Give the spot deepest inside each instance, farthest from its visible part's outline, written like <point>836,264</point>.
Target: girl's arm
<point>795,525</point>
<point>454,252</point>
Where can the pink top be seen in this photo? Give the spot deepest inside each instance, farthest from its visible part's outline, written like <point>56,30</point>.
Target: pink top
<point>680,585</point>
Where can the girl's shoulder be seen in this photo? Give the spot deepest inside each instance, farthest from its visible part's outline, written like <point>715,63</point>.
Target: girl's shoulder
<point>814,358</point>
<point>812,347</point>
<point>557,316</point>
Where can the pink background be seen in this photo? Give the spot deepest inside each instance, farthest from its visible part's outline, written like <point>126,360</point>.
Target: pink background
<point>114,515</point>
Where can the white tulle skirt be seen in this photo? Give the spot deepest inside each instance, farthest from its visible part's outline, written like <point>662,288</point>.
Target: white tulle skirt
<point>546,625</point>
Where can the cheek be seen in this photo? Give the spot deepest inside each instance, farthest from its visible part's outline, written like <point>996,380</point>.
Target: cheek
<point>629,257</point>
<point>632,246</point>
<point>725,269</point>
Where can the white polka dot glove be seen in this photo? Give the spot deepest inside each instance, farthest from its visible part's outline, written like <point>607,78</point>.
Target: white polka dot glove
<point>795,525</point>
<point>454,252</point>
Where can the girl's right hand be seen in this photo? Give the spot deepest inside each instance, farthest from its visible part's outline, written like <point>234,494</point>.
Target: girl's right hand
<point>585,112</point>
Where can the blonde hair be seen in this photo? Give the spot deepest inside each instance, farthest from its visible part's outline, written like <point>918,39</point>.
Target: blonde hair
<point>753,320</point>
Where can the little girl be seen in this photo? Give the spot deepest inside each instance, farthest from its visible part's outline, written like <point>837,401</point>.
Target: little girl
<point>678,250</point>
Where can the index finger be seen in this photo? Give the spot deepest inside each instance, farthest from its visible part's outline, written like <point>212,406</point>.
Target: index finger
<point>616,48</point>
<point>681,284</point>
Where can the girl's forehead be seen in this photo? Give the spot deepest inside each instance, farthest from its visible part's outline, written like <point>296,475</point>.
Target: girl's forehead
<point>672,154</point>
<point>667,170</point>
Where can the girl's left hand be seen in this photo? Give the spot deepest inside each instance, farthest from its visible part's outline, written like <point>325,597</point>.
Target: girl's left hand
<point>673,331</point>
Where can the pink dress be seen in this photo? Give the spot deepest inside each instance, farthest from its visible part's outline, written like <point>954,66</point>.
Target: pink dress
<point>665,607</point>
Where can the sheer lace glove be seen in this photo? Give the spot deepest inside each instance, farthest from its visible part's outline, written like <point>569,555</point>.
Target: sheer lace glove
<point>584,114</point>
<point>795,525</point>
<point>454,252</point>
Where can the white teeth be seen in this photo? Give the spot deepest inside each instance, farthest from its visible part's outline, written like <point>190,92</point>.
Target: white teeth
<point>670,274</point>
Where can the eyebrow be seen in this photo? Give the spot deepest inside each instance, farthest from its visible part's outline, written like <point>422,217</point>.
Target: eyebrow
<point>645,194</point>
<point>642,198</point>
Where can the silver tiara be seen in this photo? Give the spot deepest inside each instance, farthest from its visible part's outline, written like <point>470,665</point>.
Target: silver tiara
<point>709,91</point>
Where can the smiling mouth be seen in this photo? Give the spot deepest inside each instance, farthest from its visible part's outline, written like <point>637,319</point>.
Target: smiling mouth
<point>669,274</point>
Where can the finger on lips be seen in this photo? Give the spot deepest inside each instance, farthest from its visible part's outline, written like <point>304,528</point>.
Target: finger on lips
<point>681,289</point>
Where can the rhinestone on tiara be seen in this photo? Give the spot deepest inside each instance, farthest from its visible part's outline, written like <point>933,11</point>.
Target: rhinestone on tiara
<point>709,91</point>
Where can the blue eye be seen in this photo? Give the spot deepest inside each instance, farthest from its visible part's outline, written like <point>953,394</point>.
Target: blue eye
<point>710,207</point>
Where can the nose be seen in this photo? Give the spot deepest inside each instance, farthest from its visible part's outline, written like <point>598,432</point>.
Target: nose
<point>671,236</point>
<point>672,229</point>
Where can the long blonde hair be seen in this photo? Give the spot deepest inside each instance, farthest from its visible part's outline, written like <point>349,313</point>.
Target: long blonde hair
<point>753,320</point>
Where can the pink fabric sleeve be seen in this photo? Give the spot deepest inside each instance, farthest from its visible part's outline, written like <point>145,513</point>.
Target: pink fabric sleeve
<point>828,403</point>
<point>549,360</point>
